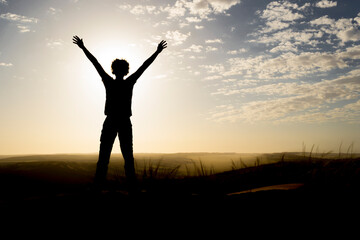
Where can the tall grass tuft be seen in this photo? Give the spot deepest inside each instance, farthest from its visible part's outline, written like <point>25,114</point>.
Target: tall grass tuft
<point>199,169</point>
<point>238,165</point>
<point>311,151</point>
<point>257,161</point>
<point>350,151</point>
<point>154,170</point>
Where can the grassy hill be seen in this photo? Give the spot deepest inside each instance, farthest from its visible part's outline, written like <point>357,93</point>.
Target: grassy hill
<point>184,183</point>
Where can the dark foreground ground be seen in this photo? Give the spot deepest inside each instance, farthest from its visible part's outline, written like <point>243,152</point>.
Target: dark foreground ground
<point>302,193</point>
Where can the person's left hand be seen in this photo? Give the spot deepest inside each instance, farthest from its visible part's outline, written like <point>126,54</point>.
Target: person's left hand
<point>161,46</point>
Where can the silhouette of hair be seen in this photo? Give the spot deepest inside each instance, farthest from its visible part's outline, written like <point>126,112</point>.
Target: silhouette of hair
<point>120,67</point>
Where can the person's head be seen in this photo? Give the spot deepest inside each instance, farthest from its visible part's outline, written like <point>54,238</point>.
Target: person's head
<point>120,67</point>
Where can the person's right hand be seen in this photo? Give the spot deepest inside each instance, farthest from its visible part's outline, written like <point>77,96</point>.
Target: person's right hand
<point>78,41</point>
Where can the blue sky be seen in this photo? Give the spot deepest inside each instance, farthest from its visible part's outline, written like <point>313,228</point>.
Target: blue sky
<point>238,75</point>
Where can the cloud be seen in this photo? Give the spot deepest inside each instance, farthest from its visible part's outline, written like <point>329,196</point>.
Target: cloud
<point>211,49</point>
<point>124,7</point>
<point>292,79</point>
<point>2,64</point>
<point>294,102</point>
<point>58,43</point>
<point>284,47</point>
<point>345,29</point>
<point>324,20</point>
<point>301,37</point>
<point>204,8</point>
<point>283,11</point>
<point>238,51</point>
<point>138,10</point>
<point>54,11</point>
<point>152,9</point>
<point>326,4</point>
<point>23,28</point>
<point>141,9</point>
<point>18,18</point>
<point>177,37</point>
<point>194,48</point>
<point>220,6</point>
<point>214,41</point>
<point>287,66</point>
<point>188,11</point>
<point>3,2</point>
<point>216,68</point>
<point>280,15</point>
<point>193,19</point>
<point>349,113</point>
<point>275,25</point>
<point>285,36</point>
<point>201,8</point>
<point>177,10</point>
<point>327,90</point>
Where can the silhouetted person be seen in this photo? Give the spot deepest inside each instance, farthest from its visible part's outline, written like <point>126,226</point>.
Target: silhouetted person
<point>118,111</point>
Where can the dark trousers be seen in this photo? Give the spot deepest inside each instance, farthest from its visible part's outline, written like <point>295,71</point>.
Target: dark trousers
<point>112,127</point>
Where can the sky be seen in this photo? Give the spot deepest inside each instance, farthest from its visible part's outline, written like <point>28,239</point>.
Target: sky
<point>238,75</point>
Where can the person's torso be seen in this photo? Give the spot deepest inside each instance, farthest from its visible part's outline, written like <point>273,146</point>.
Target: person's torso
<point>118,97</point>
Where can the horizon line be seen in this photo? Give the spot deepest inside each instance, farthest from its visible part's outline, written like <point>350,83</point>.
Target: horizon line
<point>185,152</point>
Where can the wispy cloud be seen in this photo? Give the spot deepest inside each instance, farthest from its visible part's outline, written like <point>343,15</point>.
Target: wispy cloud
<point>283,83</point>
<point>18,18</point>
<point>286,66</point>
<point>280,14</point>
<point>326,4</point>
<point>216,68</point>
<point>2,64</point>
<point>217,40</point>
<point>344,29</point>
<point>295,101</point>
<point>57,43</point>
<point>23,28</point>
<point>204,8</point>
<point>238,51</point>
<point>285,29</point>
<point>291,65</point>
<point>54,11</point>
<point>220,6</point>
<point>193,11</point>
<point>194,48</point>
<point>177,37</point>
<point>141,9</point>
<point>211,49</point>
<point>176,10</point>
<point>193,19</point>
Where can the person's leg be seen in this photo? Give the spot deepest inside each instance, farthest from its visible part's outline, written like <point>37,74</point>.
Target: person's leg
<point>126,145</point>
<point>108,135</point>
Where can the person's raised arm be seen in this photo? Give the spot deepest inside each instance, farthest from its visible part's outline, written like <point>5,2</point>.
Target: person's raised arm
<point>78,41</point>
<point>161,46</point>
